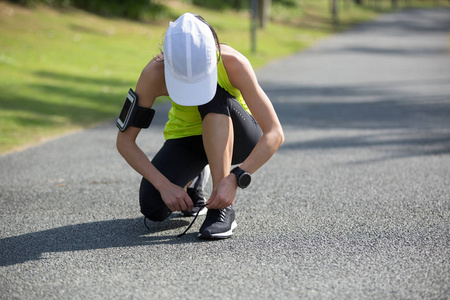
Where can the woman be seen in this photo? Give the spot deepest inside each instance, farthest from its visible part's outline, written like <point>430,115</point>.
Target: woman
<point>209,123</point>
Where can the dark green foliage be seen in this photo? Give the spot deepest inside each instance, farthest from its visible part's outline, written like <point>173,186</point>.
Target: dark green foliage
<point>132,9</point>
<point>237,4</point>
<point>288,3</point>
<point>221,4</point>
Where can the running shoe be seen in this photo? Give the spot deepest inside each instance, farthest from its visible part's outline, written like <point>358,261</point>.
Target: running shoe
<point>218,224</point>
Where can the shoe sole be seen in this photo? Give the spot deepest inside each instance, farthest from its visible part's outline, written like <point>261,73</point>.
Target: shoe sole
<point>191,214</point>
<point>220,235</point>
<point>188,213</point>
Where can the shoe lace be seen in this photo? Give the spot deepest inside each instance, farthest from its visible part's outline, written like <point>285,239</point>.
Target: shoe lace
<point>202,206</point>
<point>217,215</point>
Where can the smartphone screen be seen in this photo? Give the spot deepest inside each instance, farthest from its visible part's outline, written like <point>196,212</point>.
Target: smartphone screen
<point>125,109</point>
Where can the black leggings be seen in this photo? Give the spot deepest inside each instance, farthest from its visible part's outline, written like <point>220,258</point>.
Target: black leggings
<point>181,160</point>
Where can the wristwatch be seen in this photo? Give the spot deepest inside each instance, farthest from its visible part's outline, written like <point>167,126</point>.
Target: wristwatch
<point>243,178</point>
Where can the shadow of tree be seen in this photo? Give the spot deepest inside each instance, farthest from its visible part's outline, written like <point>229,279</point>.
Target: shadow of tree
<point>420,124</point>
<point>404,24</point>
<point>78,100</point>
<point>364,106</point>
<point>75,99</point>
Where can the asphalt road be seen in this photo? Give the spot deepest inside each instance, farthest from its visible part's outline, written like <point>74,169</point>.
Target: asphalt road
<point>355,204</point>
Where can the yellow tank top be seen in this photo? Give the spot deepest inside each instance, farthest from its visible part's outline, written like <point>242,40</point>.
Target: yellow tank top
<point>186,121</point>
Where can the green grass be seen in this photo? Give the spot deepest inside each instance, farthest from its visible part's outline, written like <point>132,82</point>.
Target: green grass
<point>64,70</point>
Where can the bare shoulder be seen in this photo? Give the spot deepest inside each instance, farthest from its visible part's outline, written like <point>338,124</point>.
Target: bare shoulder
<point>151,83</point>
<point>233,60</point>
<point>239,69</point>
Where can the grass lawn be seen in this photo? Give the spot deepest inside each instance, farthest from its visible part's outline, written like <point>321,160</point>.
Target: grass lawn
<point>62,70</point>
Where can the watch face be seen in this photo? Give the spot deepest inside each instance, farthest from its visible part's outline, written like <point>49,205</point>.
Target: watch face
<point>245,180</point>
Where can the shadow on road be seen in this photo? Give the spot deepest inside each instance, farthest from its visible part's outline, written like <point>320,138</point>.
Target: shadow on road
<point>363,106</point>
<point>412,22</point>
<point>89,236</point>
<point>369,115</point>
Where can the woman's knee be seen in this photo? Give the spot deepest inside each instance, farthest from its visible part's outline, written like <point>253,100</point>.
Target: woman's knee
<point>151,203</point>
<point>157,215</point>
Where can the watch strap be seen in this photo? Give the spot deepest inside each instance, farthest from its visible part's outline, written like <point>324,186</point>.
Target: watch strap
<point>237,171</point>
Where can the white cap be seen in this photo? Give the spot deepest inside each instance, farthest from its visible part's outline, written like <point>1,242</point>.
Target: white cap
<point>190,61</point>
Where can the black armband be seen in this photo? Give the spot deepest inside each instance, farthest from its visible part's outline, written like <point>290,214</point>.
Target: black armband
<point>134,115</point>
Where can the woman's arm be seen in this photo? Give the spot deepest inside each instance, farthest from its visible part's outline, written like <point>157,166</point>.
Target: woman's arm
<point>151,85</point>
<point>242,76</point>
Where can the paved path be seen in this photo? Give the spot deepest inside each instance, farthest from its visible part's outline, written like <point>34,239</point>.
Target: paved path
<point>355,204</point>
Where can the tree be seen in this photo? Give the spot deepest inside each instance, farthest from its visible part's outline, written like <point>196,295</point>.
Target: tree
<point>395,4</point>
<point>264,7</point>
<point>334,12</point>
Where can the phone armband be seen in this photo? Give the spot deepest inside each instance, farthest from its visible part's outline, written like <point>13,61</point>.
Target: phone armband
<point>134,115</point>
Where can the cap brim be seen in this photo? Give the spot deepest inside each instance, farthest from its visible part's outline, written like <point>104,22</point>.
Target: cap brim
<point>192,94</point>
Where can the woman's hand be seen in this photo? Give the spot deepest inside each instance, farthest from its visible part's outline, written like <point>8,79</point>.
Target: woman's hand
<point>224,194</point>
<point>176,198</point>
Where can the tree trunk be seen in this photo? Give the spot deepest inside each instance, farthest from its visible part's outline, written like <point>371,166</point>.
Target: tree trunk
<point>264,7</point>
<point>395,4</point>
<point>334,12</point>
